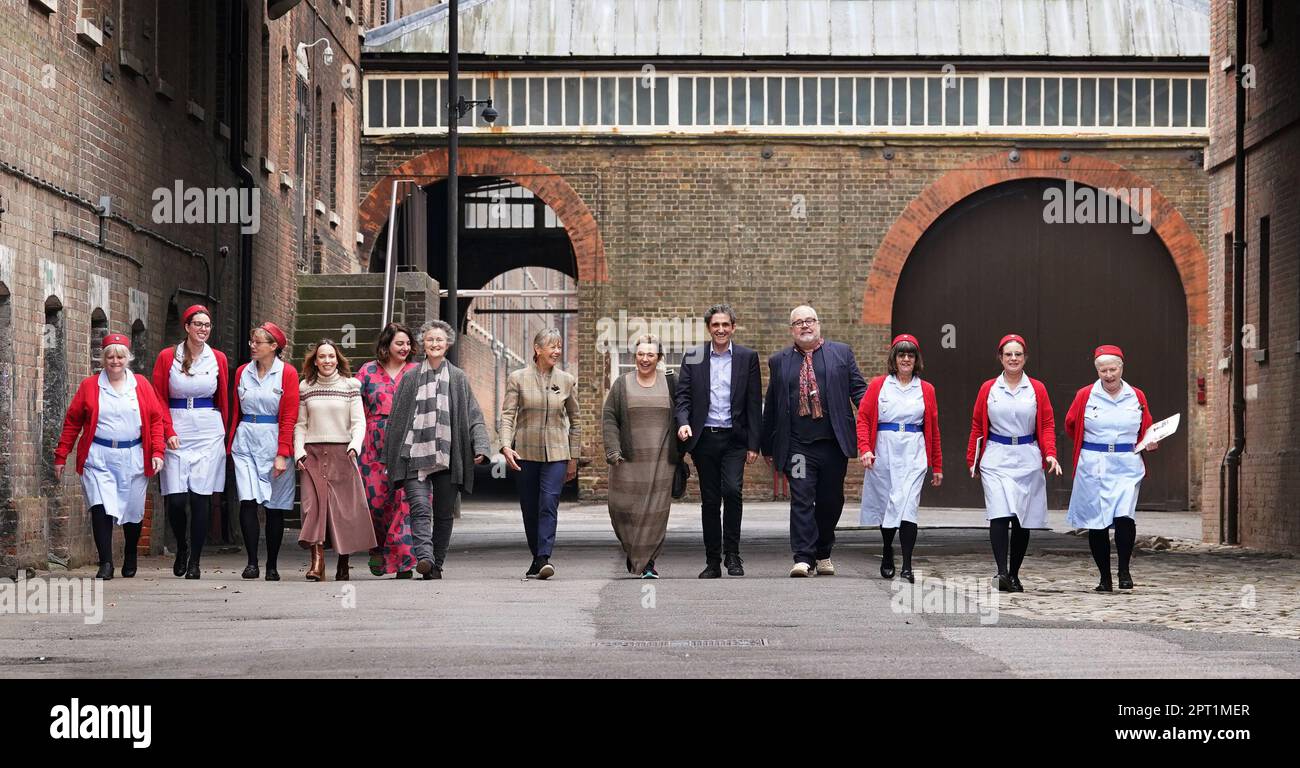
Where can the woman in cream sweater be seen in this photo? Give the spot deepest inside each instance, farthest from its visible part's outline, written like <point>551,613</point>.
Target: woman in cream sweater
<point>326,441</point>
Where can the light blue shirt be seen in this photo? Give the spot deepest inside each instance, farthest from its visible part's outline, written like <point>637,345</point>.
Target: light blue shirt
<point>719,388</point>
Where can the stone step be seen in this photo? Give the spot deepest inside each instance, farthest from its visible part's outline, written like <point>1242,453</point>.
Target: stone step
<point>341,293</point>
<point>362,307</point>
<point>340,280</point>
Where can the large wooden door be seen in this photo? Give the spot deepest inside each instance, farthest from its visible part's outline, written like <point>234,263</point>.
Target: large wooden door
<point>991,266</point>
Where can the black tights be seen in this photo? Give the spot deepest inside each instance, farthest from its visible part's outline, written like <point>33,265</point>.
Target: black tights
<point>1099,543</point>
<point>908,539</point>
<point>1019,543</point>
<point>274,532</point>
<point>200,509</point>
<point>101,525</point>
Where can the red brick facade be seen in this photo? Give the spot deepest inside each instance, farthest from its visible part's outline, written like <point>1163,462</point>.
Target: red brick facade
<point>1270,484</point>
<point>121,98</point>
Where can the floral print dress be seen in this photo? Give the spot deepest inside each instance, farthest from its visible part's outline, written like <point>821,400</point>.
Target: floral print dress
<point>388,509</point>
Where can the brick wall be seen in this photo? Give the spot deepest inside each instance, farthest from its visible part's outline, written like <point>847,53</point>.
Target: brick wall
<point>139,110</point>
<point>683,223</point>
<point>1269,516</point>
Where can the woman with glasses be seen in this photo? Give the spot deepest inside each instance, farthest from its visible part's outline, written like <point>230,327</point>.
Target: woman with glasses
<point>1012,440</point>
<point>192,379</point>
<point>261,443</point>
<point>898,437</point>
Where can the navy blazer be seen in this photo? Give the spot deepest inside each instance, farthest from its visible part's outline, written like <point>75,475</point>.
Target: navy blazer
<point>840,396</point>
<point>693,380</point>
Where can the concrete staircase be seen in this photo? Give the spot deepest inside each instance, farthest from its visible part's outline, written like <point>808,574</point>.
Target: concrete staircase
<point>348,309</point>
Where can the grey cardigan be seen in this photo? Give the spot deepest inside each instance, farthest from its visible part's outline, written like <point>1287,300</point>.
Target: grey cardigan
<point>616,426</point>
<point>469,433</point>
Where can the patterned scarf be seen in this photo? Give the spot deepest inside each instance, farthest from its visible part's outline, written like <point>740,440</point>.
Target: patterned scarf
<point>427,447</point>
<point>810,401</point>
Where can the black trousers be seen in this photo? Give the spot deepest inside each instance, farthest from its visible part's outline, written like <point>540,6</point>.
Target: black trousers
<point>720,462</point>
<point>816,473</point>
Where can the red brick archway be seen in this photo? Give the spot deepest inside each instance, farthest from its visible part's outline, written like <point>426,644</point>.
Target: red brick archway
<point>579,223</point>
<point>955,185</point>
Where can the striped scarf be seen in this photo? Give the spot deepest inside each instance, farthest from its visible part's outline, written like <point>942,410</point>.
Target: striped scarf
<point>810,401</point>
<point>427,448</point>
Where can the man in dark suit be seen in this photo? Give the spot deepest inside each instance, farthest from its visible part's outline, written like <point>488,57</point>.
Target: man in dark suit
<point>719,401</point>
<point>809,433</point>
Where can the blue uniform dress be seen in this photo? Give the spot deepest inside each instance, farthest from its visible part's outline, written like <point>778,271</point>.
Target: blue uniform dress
<point>256,444</point>
<point>114,477</point>
<point>891,489</point>
<point>1106,484</point>
<point>1012,475</point>
<point>199,466</point>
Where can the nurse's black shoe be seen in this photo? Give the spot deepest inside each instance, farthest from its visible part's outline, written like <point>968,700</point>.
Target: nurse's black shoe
<point>1104,586</point>
<point>272,574</point>
<point>182,558</point>
<point>128,566</point>
<point>105,571</point>
<point>906,573</point>
<point>887,564</point>
<point>193,571</point>
<point>1004,583</point>
<point>251,571</point>
<point>1125,580</point>
<point>1015,583</point>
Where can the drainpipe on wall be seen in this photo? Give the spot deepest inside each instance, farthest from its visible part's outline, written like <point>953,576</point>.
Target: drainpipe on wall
<point>237,98</point>
<point>1228,532</point>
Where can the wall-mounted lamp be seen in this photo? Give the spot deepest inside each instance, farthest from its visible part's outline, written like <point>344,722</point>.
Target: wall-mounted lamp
<point>327,56</point>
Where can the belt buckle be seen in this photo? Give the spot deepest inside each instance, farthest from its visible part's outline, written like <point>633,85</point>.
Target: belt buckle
<point>1015,440</point>
<point>114,443</point>
<point>1110,448</point>
<point>189,403</point>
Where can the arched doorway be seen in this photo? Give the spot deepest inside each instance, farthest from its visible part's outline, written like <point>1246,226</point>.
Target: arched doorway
<point>991,265</point>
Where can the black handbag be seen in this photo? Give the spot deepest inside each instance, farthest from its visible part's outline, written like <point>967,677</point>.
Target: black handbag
<point>680,476</point>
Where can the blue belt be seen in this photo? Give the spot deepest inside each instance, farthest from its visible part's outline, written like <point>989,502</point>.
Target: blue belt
<point>249,418</point>
<point>117,443</point>
<point>893,426</point>
<point>191,402</point>
<point>1108,447</point>
<point>995,437</point>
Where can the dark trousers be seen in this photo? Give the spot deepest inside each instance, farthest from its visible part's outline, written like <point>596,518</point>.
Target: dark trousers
<point>433,511</point>
<point>540,483</point>
<point>816,473</point>
<point>720,462</point>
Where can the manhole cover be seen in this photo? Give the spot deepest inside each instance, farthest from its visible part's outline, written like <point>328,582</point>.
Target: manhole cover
<point>740,643</point>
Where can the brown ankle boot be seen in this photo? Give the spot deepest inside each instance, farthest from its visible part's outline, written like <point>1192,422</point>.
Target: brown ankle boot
<point>316,571</point>
<point>341,573</point>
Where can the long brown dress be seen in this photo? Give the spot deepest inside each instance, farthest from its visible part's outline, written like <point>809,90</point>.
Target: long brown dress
<point>640,491</point>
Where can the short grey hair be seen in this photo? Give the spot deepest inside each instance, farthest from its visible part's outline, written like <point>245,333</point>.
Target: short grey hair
<point>724,309</point>
<point>544,337</point>
<point>803,306</point>
<point>117,349</point>
<point>1108,360</point>
<point>440,325</point>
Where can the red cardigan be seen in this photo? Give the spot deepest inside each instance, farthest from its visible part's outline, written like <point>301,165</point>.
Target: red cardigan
<point>83,418</point>
<point>1044,433</point>
<point>161,385</point>
<point>288,409</point>
<point>868,417</point>
<point>1074,419</point>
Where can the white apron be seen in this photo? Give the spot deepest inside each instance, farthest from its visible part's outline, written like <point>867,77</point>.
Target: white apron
<point>114,477</point>
<point>891,489</point>
<point>200,464</point>
<point>1012,475</point>
<point>1106,484</point>
<point>256,444</point>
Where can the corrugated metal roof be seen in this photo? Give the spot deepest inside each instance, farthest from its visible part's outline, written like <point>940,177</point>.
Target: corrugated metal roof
<point>821,28</point>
